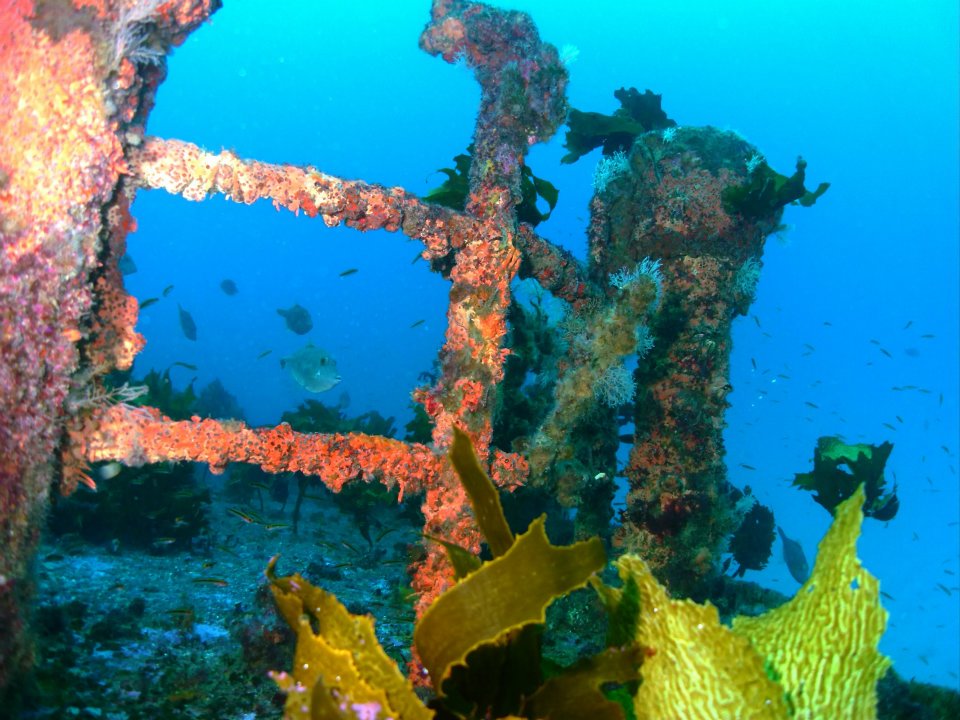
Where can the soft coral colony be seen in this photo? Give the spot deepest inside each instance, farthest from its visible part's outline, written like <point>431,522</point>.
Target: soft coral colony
<point>79,82</point>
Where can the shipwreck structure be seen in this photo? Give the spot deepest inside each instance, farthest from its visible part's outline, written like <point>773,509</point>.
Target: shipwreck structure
<point>676,237</point>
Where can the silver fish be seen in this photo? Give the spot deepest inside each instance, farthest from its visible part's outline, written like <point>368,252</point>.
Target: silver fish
<point>108,471</point>
<point>794,557</point>
<point>314,369</point>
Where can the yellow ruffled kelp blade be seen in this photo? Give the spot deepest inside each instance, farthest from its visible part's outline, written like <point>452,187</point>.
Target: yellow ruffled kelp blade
<point>822,644</point>
<point>505,594</point>
<point>576,693</point>
<point>813,658</point>
<point>483,494</point>
<point>339,671</point>
<point>696,668</point>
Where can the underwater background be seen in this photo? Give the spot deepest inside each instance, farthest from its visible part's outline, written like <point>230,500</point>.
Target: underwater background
<point>854,330</point>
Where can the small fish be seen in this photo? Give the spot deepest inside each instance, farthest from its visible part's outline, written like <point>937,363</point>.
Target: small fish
<point>242,514</point>
<point>811,405</point>
<point>127,265</point>
<point>349,271</point>
<point>262,355</point>
<point>754,363</point>
<point>219,582</point>
<point>899,419</point>
<point>886,352</point>
<point>188,366</point>
<point>418,256</point>
<point>148,302</point>
<point>108,471</point>
<point>418,323</point>
<point>228,286</point>
<point>874,342</point>
<point>944,588</point>
<point>297,318</point>
<point>828,323</point>
<point>756,320</point>
<point>888,596</point>
<point>747,467</point>
<point>180,612</point>
<point>809,347</point>
<point>313,369</point>
<point>386,531</point>
<point>907,326</point>
<point>164,542</point>
<point>928,336</point>
<point>187,324</point>
<point>349,546</point>
<point>794,557</point>
<point>167,290</point>
<point>889,426</point>
<point>276,526</point>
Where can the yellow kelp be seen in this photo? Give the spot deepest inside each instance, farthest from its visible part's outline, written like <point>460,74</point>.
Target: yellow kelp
<point>814,657</point>
<point>695,668</point>
<point>823,643</point>
<point>340,670</point>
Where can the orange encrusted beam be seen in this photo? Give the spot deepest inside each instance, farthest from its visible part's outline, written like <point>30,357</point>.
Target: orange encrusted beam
<point>184,169</point>
<point>138,435</point>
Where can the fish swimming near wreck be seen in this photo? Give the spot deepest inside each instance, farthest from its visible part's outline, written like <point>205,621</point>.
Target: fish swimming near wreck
<point>795,558</point>
<point>313,368</point>
<point>187,324</point>
<point>127,265</point>
<point>297,318</point>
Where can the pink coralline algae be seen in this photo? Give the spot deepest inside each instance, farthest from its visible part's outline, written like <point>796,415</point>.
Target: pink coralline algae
<point>67,109</point>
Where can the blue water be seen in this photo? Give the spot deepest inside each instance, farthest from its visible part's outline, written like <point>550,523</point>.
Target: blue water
<point>865,91</point>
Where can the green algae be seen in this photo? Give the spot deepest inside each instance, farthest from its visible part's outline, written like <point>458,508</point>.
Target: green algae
<point>767,191</point>
<point>638,113</point>
<point>455,189</point>
<point>840,468</point>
